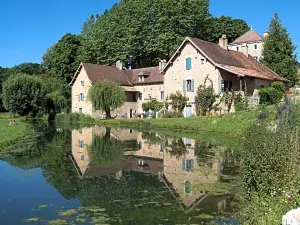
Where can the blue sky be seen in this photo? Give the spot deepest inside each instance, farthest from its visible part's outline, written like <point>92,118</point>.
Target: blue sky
<point>29,27</point>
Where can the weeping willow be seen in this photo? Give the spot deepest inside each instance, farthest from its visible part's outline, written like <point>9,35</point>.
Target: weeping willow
<point>106,96</point>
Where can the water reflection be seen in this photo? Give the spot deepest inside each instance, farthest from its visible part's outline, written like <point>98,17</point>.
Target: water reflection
<point>182,165</point>
<point>117,176</point>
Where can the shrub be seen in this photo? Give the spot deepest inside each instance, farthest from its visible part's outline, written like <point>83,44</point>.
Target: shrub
<point>240,102</point>
<point>178,101</point>
<point>153,105</point>
<point>173,115</point>
<point>206,97</point>
<point>270,95</point>
<point>74,118</point>
<point>279,86</point>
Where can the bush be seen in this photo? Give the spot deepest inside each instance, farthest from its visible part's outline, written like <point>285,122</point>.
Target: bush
<point>153,105</point>
<point>74,118</point>
<point>178,101</point>
<point>173,115</point>
<point>240,103</point>
<point>279,86</point>
<point>270,96</point>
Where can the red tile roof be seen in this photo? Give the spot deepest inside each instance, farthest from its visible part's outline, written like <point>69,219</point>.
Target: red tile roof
<point>248,37</point>
<point>123,77</point>
<point>235,61</point>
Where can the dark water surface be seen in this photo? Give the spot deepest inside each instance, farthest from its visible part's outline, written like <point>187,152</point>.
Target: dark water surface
<point>112,176</point>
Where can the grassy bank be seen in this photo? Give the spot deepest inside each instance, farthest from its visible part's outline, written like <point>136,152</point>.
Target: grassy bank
<point>11,134</point>
<point>233,124</point>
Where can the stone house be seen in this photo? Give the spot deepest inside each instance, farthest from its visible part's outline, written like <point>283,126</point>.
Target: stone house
<point>252,40</point>
<point>196,59</point>
<point>140,86</point>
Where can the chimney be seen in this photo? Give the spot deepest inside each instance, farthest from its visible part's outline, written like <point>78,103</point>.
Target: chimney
<point>266,33</point>
<point>244,49</point>
<point>223,42</point>
<point>119,65</point>
<point>162,64</point>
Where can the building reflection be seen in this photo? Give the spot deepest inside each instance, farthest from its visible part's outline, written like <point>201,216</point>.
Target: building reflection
<point>174,161</point>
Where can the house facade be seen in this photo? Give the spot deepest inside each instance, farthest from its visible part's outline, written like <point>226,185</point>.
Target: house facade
<point>140,86</point>
<point>231,70</point>
<point>252,40</point>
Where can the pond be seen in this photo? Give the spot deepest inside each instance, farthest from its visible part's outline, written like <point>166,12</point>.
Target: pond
<point>103,175</point>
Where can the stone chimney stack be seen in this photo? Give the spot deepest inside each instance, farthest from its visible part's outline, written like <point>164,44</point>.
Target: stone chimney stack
<point>244,50</point>
<point>223,42</point>
<point>162,64</point>
<point>266,33</point>
<point>119,65</point>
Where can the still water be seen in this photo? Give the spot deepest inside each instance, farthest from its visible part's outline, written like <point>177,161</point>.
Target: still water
<point>116,176</point>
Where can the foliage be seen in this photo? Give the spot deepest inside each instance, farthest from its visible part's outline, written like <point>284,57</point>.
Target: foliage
<point>106,96</point>
<point>153,138</point>
<point>240,102</point>
<point>62,59</point>
<point>270,95</point>
<point>228,99</point>
<point>74,118</point>
<point>153,105</point>
<point>278,52</point>
<point>279,86</point>
<point>178,101</point>
<point>173,114</point>
<point>155,30</point>
<point>233,28</point>
<point>177,147</point>
<point>23,94</point>
<point>28,68</point>
<point>206,97</point>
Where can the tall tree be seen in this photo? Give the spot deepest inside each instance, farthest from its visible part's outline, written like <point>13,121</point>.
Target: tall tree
<point>106,96</point>
<point>28,68</point>
<point>62,59</point>
<point>23,94</point>
<point>147,30</point>
<point>278,52</point>
<point>233,28</point>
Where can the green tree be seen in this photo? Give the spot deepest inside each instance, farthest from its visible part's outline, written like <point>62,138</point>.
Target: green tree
<point>233,28</point>
<point>23,94</point>
<point>28,68</point>
<point>147,30</point>
<point>62,59</point>
<point>106,96</point>
<point>278,52</point>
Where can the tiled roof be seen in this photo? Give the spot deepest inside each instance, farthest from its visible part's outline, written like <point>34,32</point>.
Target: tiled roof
<point>235,61</point>
<point>122,77</point>
<point>248,37</point>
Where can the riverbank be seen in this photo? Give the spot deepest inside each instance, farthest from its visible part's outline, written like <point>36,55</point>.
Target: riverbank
<point>233,124</point>
<point>11,133</point>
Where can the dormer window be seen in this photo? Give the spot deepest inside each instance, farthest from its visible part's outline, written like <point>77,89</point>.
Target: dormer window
<point>141,78</point>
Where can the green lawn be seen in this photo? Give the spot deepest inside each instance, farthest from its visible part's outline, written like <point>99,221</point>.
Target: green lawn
<point>233,124</point>
<point>10,134</point>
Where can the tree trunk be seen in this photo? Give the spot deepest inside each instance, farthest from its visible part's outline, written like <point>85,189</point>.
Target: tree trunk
<point>107,133</point>
<point>107,112</point>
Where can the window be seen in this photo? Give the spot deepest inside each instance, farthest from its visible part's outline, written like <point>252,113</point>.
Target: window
<point>226,85</point>
<point>202,61</point>
<point>80,143</point>
<point>255,46</point>
<point>80,110</point>
<point>187,164</point>
<point>187,187</point>
<point>188,142</point>
<point>81,97</point>
<point>189,85</point>
<point>161,95</point>
<point>82,83</point>
<point>141,78</point>
<point>140,96</point>
<point>80,131</point>
<point>82,158</point>
<point>237,48</point>
<point>161,148</point>
<point>188,63</point>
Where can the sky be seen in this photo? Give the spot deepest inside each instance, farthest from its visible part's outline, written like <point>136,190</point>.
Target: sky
<point>29,28</point>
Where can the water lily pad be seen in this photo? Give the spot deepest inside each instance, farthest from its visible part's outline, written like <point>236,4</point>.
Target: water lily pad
<point>58,222</point>
<point>69,212</point>
<point>32,220</point>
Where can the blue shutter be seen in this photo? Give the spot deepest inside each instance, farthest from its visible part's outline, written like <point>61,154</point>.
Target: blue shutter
<point>222,86</point>
<point>192,85</point>
<point>188,63</point>
<point>183,165</point>
<point>184,86</point>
